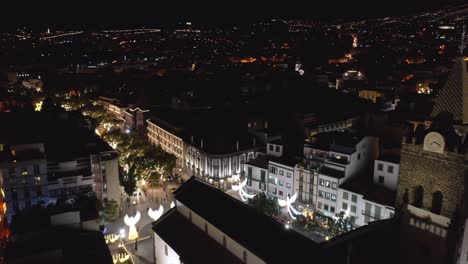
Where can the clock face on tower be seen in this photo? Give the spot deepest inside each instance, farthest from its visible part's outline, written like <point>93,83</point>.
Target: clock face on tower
<point>434,142</point>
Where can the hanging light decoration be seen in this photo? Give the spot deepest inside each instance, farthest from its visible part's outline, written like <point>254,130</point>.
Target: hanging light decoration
<point>243,194</point>
<point>288,203</point>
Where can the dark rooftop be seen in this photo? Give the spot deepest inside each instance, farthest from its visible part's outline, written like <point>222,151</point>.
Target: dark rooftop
<point>60,246</point>
<point>331,172</point>
<point>191,243</point>
<point>390,157</point>
<point>220,131</point>
<point>62,134</point>
<point>246,226</point>
<point>259,162</point>
<point>363,184</point>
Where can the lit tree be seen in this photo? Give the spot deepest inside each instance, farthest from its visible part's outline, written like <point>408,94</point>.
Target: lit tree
<point>128,180</point>
<point>110,211</point>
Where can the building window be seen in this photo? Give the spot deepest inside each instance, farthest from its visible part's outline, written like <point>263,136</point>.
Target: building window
<point>321,194</point>
<point>418,196</point>
<point>359,156</point>
<point>332,209</point>
<point>437,198</point>
<point>273,169</point>
<point>390,169</point>
<point>333,197</point>
<point>245,256</point>
<point>319,205</point>
<point>36,169</point>
<point>334,185</point>
<point>277,149</point>
<point>325,207</point>
<point>321,182</point>
<point>165,250</point>
<point>24,172</point>
<point>280,193</point>
<point>378,212</point>
<point>354,198</point>
<point>327,184</point>
<point>281,172</point>
<point>288,174</point>
<point>280,182</point>
<point>381,179</point>
<point>249,181</point>
<point>271,147</point>
<point>262,175</point>
<point>327,195</point>
<point>249,172</point>
<point>288,185</point>
<point>345,206</point>
<point>380,167</point>
<point>353,209</point>
<point>345,196</point>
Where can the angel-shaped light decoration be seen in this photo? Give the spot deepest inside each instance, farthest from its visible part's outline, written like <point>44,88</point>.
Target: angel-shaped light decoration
<point>156,213</point>
<point>288,203</point>
<point>172,204</point>
<point>243,194</point>
<point>131,222</point>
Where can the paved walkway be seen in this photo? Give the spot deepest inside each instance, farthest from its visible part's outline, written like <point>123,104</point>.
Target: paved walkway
<point>153,198</point>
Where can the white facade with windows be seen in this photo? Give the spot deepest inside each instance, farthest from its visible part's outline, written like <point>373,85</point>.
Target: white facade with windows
<point>327,194</point>
<point>280,180</point>
<point>363,211</point>
<point>351,203</point>
<point>306,184</point>
<point>257,179</point>
<point>339,164</point>
<point>386,174</point>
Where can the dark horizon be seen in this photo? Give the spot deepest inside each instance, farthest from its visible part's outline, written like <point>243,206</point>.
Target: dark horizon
<point>115,15</point>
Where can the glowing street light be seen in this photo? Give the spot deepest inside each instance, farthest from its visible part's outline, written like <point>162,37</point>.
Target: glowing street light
<point>156,214</point>
<point>288,203</point>
<point>131,222</point>
<point>243,194</point>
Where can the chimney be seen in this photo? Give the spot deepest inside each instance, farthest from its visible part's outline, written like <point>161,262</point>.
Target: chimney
<point>237,145</point>
<point>201,143</point>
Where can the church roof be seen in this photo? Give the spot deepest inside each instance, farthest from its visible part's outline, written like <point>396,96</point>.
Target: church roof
<point>453,97</point>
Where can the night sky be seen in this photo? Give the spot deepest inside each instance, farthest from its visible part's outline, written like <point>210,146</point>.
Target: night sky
<point>85,14</point>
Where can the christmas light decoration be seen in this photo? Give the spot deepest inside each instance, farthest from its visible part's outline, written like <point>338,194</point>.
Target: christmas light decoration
<point>156,213</point>
<point>172,204</point>
<point>243,194</point>
<point>288,203</point>
<point>131,222</point>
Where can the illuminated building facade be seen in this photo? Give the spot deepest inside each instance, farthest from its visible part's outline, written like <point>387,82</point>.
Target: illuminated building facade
<point>212,156</point>
<point>23,171</point>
